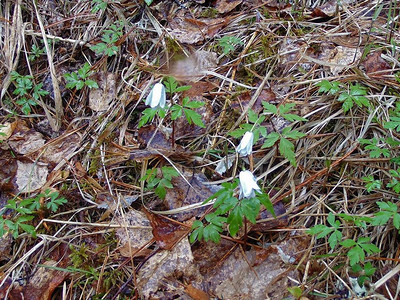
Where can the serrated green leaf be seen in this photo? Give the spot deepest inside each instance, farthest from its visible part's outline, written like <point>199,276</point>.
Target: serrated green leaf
<point>348,243</point>
<point>183,88</point>
<point>193,117</point>
<point>347,104</point>
<point>331,219</point>
<point>270,140</point>
<point>250,208</point>
<point>226,205</point>
<point>91,84</point>
<point>160,191</point>
<point>293,117</point>
<point>264,200</point>
<point>334,238</point>
<point>147,116</point>
<point>169,172</point>
<point>370,248</point>
<point>194,104</point>
<point>286,148</point>
<point>292,134</point>
<point>211,232</point>
<point>253,117</point>
<point>269,107</point>
<point>176,112</point>
<point>356,255</point>
<point>235,220</point>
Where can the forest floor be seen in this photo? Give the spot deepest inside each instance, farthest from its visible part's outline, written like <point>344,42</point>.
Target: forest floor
<point>105,197</point>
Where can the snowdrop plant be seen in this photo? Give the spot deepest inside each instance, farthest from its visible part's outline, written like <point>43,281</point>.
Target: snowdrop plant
<point>245,147</point>
<point>157,96</point>
<point>231,208</point>
<point>248,185</point>
<point>157,100</point>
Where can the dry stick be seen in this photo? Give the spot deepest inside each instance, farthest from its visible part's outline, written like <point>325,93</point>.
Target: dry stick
<point>316,175</point>
<point>54,81</point>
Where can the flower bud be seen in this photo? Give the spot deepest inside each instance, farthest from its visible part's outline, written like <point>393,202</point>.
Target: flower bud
<point>248,185</point>
<point>157,97</point>
<point>246,144</point>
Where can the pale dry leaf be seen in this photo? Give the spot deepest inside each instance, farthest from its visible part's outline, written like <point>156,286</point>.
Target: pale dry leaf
<point>330,8</point>
<point>100,99</point>
<point>62,147</point>
<point>262,275</point>
<point>30,176</point>
<point>344,57</point>
<point>192,68</point>
<point>189,31</point>
<point>164,264</point>
<point>6,130</point>
<point>41,284</point>
<point>133,240</point>
<point>224,6</point>
<point>25,140</point>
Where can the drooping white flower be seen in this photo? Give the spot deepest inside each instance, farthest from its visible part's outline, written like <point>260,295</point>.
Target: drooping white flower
<point>248,185</point>
<point>157,97</point>
<point>246,144</point>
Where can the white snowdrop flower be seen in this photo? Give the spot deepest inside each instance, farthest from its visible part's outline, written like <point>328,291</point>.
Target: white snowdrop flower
<point>157,97</point>
<point>246,144</point>
<point>248,185</point>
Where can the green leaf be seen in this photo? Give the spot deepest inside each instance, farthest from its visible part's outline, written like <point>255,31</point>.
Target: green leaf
<point>193,117</point>
<point>264,199</point>
<point>370,248</point>
<point>335,237</point>
<point>176,111</point>
<point>160,191</point>
<point>347,104</point>
<point>228,43</point>
<point>253,117</point>
<point>226,205</point>
<point>250,208</point>
<point>29,229</point>
<point>295,291</point>
<point>194,104</point>
<point>216,220</point>
<point>237,133</point>
<point>148,2</point>
<point>270,107</point>
<point>183,88</point>
<point>212,232</point>
<point>235,220</point>
<point>169,172</point>
<point>348,243</point>
<point>170,84</point>
<point>91,84</point>
<point>148,115</point>
<point>270,140</point>
<point>292,134</point>
<point>356,255</point>
<point>286,148</point>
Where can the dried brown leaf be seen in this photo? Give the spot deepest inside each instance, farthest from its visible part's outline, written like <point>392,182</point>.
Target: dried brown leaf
<point>100,99</point>
<point>375,64</point>
<point>224,6</point>
<point>166,232</point>
<point>133,240</point>
<point>184,194</point>
<point>263,274</point>
<point>192,68</point>
<point>164,264</point>
<point>25,140</point>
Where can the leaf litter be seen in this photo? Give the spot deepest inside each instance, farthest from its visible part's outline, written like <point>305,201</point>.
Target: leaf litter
<point>126,242</point>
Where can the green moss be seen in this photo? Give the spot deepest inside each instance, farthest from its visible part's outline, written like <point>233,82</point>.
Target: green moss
<point>209,12</point>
